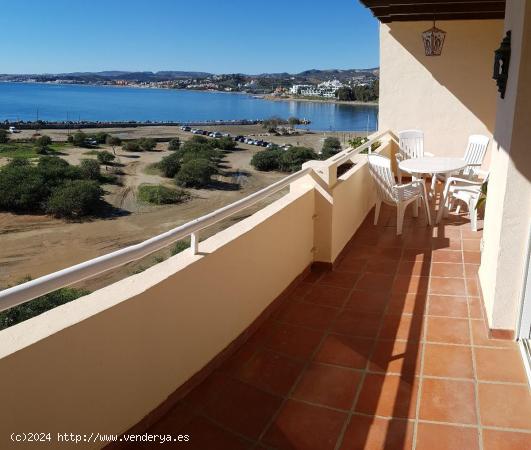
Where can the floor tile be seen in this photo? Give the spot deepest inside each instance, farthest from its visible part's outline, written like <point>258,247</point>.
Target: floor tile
<point>448,361</point>
<point>448,401</point>
<point>388,396</point>
<point>504,364</point>
<point>471,245</point>
<point>380,265</point>
<point>307,315</point>
<point>504,440</point>
<point>448,270</point>
<point>396,357</point>
<point>372,433</point>
<point>302,288</point>
<point>354,323</point>
<point>375,282</point>
<point>205,434</point>
<point>407,303</point>
<point>351,264</point>
<point>417,255</point>
<point>402,326</point>
<point>471,270</point>
<point>345,351</point>
<point>242,408</point>
<point>410,284</point>
<point>479,336</point>
<point>447,330</point>
<point>270,371</point>
<point>293,341</point>
<point>472,257</point>
<point>448,306</point>
<point>327,295</point>
<point>472,287</point>
<point>447,256</point>
<point>340,279</point>
<point>475,308</point>
<point>305,427</point>
<point>447,286</point>
<point>446,437</point>
<point>367,301</point>
<point>327,385</point>
<point>416,268</point>
<point>504,405</point>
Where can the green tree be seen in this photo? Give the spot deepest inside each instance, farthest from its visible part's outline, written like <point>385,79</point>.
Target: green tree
<point>113,141</point>
<point>22,187</point>
<point>224,143</point>
<point>131,146</point>
<point>272,123</point>
<point>292,159</point>
<point>105,158</point>
<point>267,160</point>
<point>331,146</point>
<point>293,121</point>
<point>195,173</point>
<point>74,199</point>
<point>345,94</point>
<point>161,195</point>
<point>174,144</point>
<point>147,144</point>
<point>170,165</point>
<point>79,139</point>
<point>90,169</point>
<point>42,143</point>
<point>4,136</point>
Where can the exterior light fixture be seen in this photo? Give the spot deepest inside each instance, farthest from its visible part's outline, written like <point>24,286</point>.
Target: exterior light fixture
<point>502,57</point>
<point>433,41</point>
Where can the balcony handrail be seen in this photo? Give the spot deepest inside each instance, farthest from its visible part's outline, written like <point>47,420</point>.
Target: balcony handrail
<point>347,154</point>
<point>32,289</point>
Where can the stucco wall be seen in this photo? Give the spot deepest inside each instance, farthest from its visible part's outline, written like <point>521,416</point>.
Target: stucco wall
<point>102,362</point>
<point>450,96</point>
<point>508,211</point>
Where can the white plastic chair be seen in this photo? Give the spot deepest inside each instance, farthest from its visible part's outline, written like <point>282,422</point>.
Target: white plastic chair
<point>410,145</point>
<point>399,195</point>
<point>465,190</point>
<point>474,156</point>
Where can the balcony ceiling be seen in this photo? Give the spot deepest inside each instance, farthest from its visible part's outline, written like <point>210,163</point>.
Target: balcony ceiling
<point>413,10</point>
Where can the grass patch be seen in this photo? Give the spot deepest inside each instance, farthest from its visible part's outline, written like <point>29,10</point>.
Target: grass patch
<point>153,169</point>
<point>180,246</point>
<point>26,149</point>
<point>91,152</point>
<point>161,195</point>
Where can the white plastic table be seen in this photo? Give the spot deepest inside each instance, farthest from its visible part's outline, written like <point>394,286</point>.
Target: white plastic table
<point>433,165</point>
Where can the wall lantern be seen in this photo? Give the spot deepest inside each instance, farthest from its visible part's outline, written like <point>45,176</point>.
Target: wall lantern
<point>502,57</point>
<point>433,41</point>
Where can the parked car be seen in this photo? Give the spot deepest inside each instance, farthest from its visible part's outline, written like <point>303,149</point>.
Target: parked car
<point>186,129</point>
<point>216,134</point>
<point>13,130</point>
<point>204,132</point>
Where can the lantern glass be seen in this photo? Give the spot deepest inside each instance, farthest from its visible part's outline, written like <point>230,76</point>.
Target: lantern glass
<point>433,41</point>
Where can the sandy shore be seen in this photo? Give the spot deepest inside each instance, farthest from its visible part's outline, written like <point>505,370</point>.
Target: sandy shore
<point>36,245</point>
<point>318,100</point>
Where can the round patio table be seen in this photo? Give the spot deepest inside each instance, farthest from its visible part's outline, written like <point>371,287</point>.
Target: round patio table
<point>433,165</point>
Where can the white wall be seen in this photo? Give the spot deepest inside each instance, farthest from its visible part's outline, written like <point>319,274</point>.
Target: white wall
<point>450,96</point>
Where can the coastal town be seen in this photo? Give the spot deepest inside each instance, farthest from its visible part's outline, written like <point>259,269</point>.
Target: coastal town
<point>344,85</point>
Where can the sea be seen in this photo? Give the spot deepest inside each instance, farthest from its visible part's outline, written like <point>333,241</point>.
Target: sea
<point>67,102</point>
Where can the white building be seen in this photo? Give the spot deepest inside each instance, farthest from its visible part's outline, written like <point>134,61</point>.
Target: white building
<point>326,89</point>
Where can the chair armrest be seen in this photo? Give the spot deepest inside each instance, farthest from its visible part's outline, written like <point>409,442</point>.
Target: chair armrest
<point>399,157</point>
<point>400,188</point>
<point>451,180</point>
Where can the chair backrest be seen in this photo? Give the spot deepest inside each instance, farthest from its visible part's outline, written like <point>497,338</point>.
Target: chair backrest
<point>380,170</point>
<point>411,143</point>
<point>475,153</point>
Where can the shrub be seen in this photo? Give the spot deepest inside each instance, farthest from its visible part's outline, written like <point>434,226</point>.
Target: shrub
<point>161,195</point>
<point>331,146</point>
<point>90,169</point>
<point>100,137</point>
<point>22,187</point>
<point>170,165</point>
<point>113,141</point>
<point>174,144</point>
<point>225,143</point>
<point>4,136</point>
<point>105,157</point>
<point>39,305</point>
<point>79,139</point>
<point>179,247</point>
<point>131,146</point>
<point>42,143</point>
<point>195,173</point>
<point>56,170</point>
<point>74,199</point>
<point>267,160</point>
<point>147,144</point>
<point>292,159</point>
<point>198,139</point>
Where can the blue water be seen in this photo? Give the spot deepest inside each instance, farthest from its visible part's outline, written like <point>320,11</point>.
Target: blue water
<point>22,101</point>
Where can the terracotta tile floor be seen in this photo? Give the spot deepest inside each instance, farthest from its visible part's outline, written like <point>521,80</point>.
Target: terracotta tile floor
<point>387,351</point>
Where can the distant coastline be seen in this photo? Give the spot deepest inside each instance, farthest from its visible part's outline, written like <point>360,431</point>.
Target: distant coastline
<point>317,100</point>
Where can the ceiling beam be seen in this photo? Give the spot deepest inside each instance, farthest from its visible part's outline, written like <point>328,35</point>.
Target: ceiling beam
<point>384,3</point>
<point>444,16</point>
<point>440,9</point>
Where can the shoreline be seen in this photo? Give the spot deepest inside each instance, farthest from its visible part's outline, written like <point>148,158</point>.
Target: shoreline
<point>317,100</point>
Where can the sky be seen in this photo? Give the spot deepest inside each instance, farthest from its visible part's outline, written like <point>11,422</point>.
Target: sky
<point>218,36</point>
